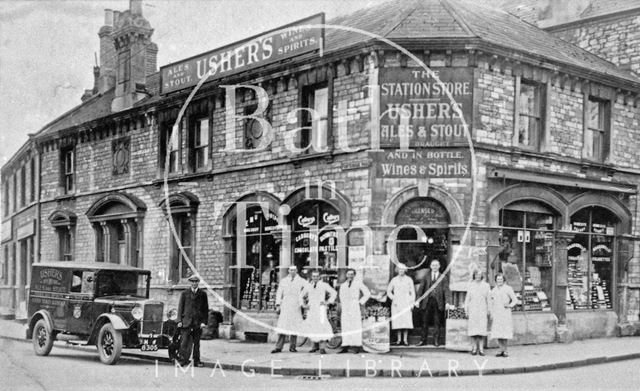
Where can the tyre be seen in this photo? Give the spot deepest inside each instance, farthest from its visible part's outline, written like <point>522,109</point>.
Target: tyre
<point>42,338</point>
<point>109,344</point>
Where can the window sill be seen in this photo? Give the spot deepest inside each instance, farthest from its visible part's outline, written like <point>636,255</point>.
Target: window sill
<point>298,159</point>
<point>65,197</point>
<point>184,177</point>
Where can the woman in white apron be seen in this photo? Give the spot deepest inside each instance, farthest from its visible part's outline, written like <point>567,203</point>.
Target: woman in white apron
<point>476,305</point>
<point>402,293</point>
<point>502,300</point>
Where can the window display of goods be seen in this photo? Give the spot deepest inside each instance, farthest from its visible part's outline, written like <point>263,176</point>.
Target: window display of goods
<point>377,311</point>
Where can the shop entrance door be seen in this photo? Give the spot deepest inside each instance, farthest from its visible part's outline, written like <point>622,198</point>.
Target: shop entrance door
<point>433,220</point>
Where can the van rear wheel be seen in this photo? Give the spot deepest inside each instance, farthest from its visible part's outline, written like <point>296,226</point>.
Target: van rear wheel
<point>42,338</point>
<point>109,344</point>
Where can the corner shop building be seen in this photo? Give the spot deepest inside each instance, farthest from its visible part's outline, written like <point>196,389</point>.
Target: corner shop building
<point>554,131</point>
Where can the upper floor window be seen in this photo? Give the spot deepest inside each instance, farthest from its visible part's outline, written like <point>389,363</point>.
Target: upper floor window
<point>530,110</point>
<point>5,199</point>
<point>314,120</point>
<point>170,147</point>
<point>596,129</point>
<point>23,186</point>
<point>68,170</point>
<point>200,144</point>
<point>14,193</point>
<point>32,184</point>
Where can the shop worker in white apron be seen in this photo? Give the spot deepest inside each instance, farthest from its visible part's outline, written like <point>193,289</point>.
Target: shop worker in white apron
<point>316,326</point>
<point>402,293</point>
<point>289,307</point>
<point>353,294</point>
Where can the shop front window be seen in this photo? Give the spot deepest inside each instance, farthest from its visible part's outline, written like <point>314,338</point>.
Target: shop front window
<point>258,282</point>
<point>590,259</point>
<point>310,238</point>
<point>527,255</point>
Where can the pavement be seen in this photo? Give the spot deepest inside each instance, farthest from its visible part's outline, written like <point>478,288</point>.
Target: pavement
<point>252,357</point>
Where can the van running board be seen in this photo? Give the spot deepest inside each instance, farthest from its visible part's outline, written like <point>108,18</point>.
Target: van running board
<point>77,343</point>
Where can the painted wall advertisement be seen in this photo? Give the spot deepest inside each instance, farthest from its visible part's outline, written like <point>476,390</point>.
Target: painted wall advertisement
<point>285,42</point>
<point>432,163</point>
<point>414,104</point>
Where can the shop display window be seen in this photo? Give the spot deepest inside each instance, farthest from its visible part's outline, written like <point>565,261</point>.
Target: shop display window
<point>258,282</point>
<point>590,260</point>
<point>527,254</point>
<point>310,238</point>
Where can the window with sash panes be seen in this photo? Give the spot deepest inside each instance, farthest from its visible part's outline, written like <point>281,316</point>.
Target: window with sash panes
<point>596,128</point>
<point>530,106</point>
<point>201,144</point>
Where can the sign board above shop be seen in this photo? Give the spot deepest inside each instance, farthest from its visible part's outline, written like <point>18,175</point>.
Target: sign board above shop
<point>426,163</point>
<point>284,42</point>
<point>432,119</point>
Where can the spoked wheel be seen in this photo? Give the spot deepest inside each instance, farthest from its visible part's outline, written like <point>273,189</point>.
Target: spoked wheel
<point>42,338</point>
<point>109,344</point>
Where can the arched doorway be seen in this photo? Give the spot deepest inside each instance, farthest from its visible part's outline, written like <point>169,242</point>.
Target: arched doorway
<point>418,251</point>
<point>182,208</point>
<point>117,223</point>
<point>433,219</point>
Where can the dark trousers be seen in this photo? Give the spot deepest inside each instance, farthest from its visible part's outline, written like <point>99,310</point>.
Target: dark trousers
<point>431,311</point>
<point>188,336</point>
<point>282,338</point>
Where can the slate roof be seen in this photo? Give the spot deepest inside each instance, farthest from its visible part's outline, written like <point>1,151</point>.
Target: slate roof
<point>414,19</point>
<point>605,7</point>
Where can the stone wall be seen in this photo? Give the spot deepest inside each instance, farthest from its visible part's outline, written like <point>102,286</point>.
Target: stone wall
<point>615,38</point>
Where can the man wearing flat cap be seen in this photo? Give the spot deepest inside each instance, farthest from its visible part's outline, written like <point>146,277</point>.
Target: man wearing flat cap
<point>193,311</point>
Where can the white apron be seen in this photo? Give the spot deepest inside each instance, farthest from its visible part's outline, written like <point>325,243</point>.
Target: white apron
<point>316,326</point>
<point>350,317</point>
<point>501,320</point>
<point>288,296</point>
<point>402,293</point>
<point>476,305</point>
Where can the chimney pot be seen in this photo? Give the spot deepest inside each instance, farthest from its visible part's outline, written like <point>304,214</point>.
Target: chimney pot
<point>108,17</point>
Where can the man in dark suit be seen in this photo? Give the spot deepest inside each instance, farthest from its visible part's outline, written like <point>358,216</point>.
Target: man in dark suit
<point>193,312</point>
<point>434,304</point>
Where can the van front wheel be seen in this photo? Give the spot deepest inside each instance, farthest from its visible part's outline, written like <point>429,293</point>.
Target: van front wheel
<point>42,338</point>
<point>109,344</point>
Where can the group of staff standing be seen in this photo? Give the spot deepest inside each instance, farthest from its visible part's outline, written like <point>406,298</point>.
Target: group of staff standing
<point>483,305</point>
<point>290,297</point>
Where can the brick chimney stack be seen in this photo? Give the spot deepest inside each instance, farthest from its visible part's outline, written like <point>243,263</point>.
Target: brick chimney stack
<point>136,56</point>
<point>107,78</point>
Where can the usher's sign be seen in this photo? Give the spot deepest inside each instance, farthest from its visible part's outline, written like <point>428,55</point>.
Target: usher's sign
<point>432,163</point>
<point>287,41</point>
<point>414,104</point>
